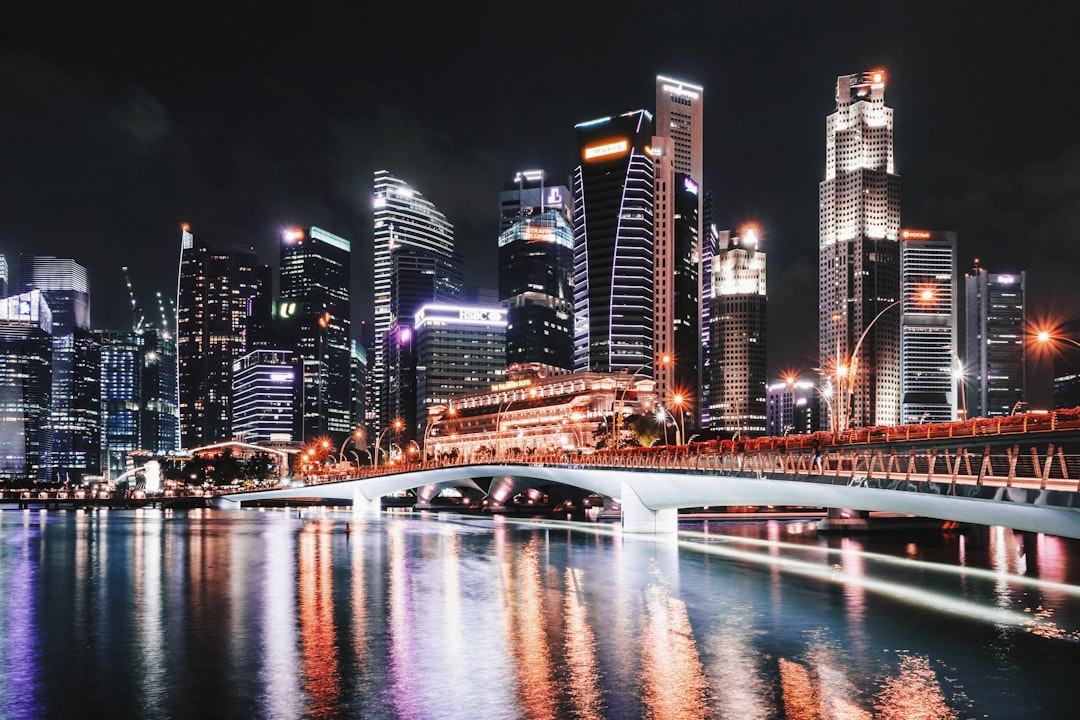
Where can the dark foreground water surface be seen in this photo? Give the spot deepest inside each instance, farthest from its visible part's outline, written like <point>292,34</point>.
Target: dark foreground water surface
<point>277,614</point>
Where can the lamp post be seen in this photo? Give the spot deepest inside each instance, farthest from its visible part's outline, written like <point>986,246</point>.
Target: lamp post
<point>356,435</point>
<point>617,422</point>
<point>852,369</point>
<point>661,416</point>
<point>397,425</point>
<point>679,401</point>
<point>958,375</point>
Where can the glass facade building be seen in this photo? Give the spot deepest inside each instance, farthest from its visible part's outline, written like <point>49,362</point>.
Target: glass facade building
<point>26,347</point>
<point>404,222</point>
<point>74,448</point>
<point>613,244</point>
<point>929,359</point>
<point>263,392</point>
<point>214,291</point>
<point>536,263</point>
<point>995,357</point>
<point>315,278</point>
<point>459,349</point>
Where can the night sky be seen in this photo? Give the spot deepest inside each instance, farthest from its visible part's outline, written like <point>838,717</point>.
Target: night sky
<point>118,125</point>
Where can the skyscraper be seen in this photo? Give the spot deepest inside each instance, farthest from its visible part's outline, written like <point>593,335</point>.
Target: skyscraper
<point>678,157</point>
<point>407,222</point>
<point>26,349</point>
<point>613,245</point>
<point>929,359</point>
<point>536,266</point>
<point>263,396</point>
<point>859,251</point>
<point>995,353</point>
<point>75,448</point>
<point>214,289</point>
<point>738,336</point>
<point>315,272</point>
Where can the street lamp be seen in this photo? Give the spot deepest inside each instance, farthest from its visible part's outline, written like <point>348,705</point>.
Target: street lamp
<point>825,394</point>
<point>958,375</point>
<point>398,424</point>
<point>617,423</point>
<point>678,400</point>
<point>357,435</point>
<point>851,370</point>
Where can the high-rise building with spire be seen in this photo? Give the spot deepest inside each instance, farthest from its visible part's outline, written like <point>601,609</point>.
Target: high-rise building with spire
<point>859,253</point>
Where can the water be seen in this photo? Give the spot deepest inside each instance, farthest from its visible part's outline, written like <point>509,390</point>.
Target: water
<point>270,614</point>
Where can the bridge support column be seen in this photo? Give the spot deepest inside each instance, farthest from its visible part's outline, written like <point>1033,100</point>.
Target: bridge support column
<point>636,518</point>
<point>363,505</point>
<point>840,520</point>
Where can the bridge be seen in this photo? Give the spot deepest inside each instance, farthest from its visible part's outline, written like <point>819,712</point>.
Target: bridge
<point>1021,480</point>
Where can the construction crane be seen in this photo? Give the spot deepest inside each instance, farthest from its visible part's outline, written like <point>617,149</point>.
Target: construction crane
<point>136,313</point>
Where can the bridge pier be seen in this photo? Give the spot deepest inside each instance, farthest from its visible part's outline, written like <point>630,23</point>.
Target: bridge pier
<point>363,505</point>
<point>636,518</point>
<point>841,520</point>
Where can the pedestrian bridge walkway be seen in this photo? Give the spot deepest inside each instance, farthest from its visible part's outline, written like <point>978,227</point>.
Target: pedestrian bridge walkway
<point>1037,491</point>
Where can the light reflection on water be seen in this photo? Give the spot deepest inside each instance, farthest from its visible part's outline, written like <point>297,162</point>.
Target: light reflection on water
<point>266,614</point>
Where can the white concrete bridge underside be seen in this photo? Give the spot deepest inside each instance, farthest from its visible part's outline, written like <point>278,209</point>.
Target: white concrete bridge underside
<point>650,499</point>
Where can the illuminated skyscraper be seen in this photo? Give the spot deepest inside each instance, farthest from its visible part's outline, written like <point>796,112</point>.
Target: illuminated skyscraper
<point>929,359</point>
<point>26,348</point>
<point>75,444</point>
<point>859,250</point>
<point>315,272</point>
<point>536,265</point>
<point>738,323</point>
<point>404,220</point>
<point>263,396</point>
<point>995,359</point>
<point>678,157</point>
<point>613,245</point>
<point>214,290</point>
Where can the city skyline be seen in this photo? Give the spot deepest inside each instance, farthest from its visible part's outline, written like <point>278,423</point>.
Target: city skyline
<point>112,154</point>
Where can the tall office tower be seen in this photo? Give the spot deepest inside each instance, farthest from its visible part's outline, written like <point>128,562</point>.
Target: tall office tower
<point>358,367</point>
<point>710,246</point>
<point>160,426</point>
<point>26,349</point>
<point>859,251</point>
<point>613,245</point>
<point>263,396</point>
<point>678,155</point>
<point>994,356</point>
<point>738,336</point>
<point>404,220</point>
<point>74,448</point>
<point>1067,368</point>
<point>459,349</point>
<point>214,289</point>
<point>930,385</point>
<point>677,283</point>
<point>315,272</point>
<point>121,398</point>
<point>536,268</point>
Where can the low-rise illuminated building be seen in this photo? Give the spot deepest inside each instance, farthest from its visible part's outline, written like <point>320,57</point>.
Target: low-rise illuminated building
<point>564,413</point>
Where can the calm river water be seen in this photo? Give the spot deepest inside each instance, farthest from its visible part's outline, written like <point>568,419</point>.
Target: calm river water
<point>322,614</point>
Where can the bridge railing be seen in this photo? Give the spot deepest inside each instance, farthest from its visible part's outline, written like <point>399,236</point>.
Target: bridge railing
<point>963,466</point>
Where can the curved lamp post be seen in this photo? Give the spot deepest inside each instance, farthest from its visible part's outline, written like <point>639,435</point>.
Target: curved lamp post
<point>357,435</point>
<point>397,425</point>
<point>853,366</point>
<point>617,423</point>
